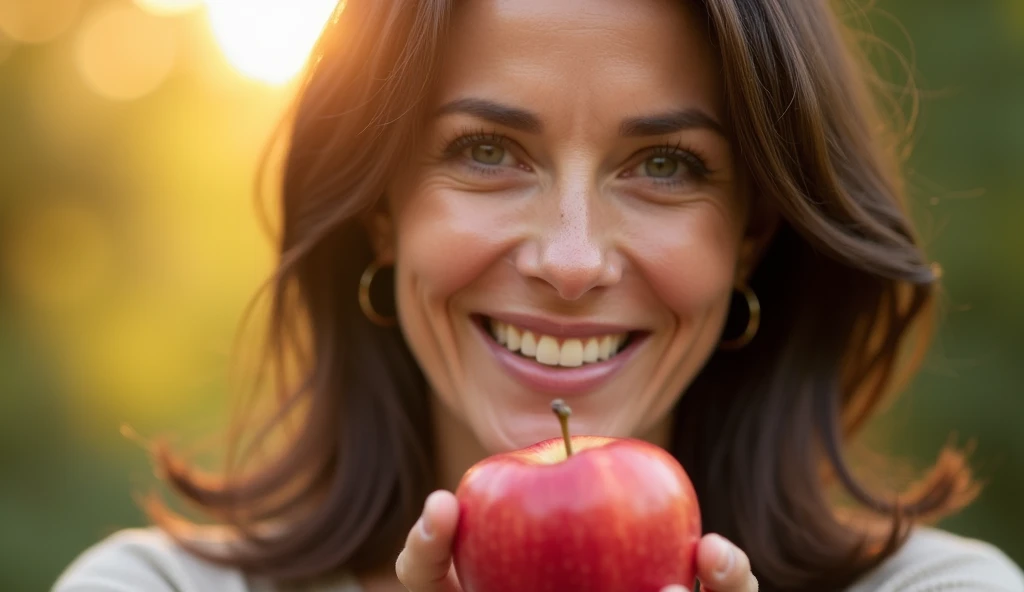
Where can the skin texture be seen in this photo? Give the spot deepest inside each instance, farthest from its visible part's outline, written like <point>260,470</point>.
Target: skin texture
<point>570,221</point>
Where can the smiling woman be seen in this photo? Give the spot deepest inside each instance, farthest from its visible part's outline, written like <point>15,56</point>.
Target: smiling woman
<point>578,199</point>
<point>547,202</point>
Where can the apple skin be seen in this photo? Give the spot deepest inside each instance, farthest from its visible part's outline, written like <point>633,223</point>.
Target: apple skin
<point>619,515</point>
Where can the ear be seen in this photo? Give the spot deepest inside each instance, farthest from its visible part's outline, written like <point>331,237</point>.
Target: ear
<point>764,222</point>
<point>381,229</point>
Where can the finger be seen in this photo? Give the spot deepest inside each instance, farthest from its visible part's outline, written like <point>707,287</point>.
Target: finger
<point>425,564</point>
<point>723,567</point>
<point>675,588</point>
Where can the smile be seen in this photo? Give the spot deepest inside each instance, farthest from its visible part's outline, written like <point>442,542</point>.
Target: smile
<point>554,358</point>
<point>549,350</point>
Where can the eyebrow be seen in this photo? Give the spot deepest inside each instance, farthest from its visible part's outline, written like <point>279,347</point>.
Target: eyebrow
<point>504,115</point>
<point>659,124</point>
<point>670,122</point>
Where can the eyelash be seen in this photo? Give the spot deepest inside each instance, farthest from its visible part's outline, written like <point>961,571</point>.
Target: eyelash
<point>692,158</point>
<point>467,138</point>
<point>471,137</point>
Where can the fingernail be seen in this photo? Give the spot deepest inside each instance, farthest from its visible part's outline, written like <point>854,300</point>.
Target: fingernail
<point>726,556</point>
<point>426,530</point>
<point>675,588</point>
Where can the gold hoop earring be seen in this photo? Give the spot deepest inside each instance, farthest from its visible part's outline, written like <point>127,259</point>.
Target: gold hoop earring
<point>364,297</point>
<point>753,321</point>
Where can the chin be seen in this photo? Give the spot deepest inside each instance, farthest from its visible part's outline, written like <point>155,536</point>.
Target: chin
<point>513,430</point>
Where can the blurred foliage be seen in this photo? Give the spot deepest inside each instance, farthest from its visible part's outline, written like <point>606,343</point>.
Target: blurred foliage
<point>129,246</point>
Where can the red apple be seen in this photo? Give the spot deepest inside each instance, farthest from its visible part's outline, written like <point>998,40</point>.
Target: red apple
<point>581,513</point>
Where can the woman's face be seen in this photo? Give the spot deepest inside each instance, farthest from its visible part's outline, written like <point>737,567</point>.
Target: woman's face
<point>572,224</point>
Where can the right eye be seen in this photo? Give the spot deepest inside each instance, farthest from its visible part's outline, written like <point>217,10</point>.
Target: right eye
<point>483,153</point>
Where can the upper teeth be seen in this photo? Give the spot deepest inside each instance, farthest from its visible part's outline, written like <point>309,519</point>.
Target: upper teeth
<point>554,352</point>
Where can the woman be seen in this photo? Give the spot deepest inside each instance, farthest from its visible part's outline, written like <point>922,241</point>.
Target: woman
<point>589,199</point>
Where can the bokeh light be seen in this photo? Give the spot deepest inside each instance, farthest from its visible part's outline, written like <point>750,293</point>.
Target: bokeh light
<point>65,115</point>
<point>124,53</point>
<point>37,21</point>
<point>268,40</point>
<point>168,7</point>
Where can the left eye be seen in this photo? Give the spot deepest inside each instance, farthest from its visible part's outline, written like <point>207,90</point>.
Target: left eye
<point>489,154</point>
<point>661,166</point>
<point>670,166</point>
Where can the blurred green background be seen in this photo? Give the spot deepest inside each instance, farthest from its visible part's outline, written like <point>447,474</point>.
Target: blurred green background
<point>129,243</point>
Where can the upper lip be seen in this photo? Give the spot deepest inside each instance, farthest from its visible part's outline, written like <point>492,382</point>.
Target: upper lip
<point>561,328</point>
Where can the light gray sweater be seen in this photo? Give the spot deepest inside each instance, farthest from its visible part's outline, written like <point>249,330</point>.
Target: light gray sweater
<point>145,560</point>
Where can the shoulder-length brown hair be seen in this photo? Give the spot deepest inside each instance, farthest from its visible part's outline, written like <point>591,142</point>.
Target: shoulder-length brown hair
<point>845,289</point>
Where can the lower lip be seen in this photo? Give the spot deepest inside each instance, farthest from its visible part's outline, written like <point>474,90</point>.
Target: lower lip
<point>559,380</point>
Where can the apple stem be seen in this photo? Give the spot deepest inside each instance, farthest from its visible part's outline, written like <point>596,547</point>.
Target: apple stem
<point>563,412</point>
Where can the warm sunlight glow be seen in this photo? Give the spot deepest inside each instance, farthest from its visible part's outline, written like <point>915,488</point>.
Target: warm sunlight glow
<point>268,40</point>
<point>124,53</point>
<point>37,21</point>
<point>168,7</point>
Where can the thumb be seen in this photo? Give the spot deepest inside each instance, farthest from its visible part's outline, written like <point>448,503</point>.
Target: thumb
<point>425,564</point>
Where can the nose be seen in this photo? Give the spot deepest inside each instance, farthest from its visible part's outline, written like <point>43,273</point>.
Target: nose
<point>571,252</point>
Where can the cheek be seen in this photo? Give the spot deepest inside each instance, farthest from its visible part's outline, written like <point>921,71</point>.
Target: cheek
<point>690,259</point>
<point>446,238</point>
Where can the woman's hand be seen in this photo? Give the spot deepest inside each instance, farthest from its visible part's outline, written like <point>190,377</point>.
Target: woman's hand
<point>425,564</point>
<point>723,567</point>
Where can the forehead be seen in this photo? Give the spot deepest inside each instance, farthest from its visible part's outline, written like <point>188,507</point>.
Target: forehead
<point>588,55</point>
